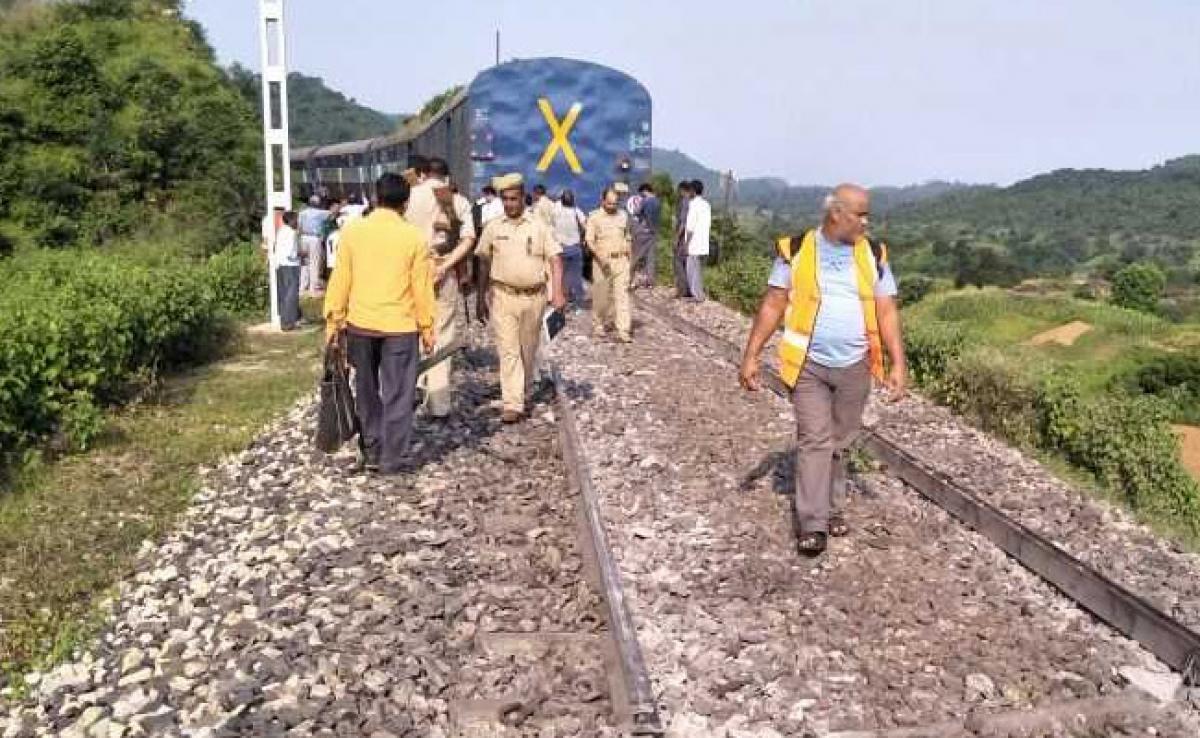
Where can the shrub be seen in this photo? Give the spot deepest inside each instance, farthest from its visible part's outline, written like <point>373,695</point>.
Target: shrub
<point>239,278</point>
<point>914,288</point>
<point>80,327</point>
<point>1139,286</point>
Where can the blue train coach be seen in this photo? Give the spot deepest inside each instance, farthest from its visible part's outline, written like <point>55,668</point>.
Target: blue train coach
<point>562,123</point>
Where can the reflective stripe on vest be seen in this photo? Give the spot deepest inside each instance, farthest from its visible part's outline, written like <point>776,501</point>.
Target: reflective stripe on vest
<point>805,300</point>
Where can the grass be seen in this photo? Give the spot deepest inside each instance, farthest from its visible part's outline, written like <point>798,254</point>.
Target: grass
<point>70,530</point>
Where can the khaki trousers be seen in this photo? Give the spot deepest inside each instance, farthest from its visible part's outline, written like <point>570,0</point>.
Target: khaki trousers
<point>517,320</point>
<point>610,295</point>
<point>829,406</point>
<point>439,400</point>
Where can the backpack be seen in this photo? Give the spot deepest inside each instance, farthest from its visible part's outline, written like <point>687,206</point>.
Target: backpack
<point>878,250</point>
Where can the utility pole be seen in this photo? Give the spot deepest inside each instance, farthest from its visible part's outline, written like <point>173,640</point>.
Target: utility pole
<point>277,168</point>
<point>497,47</point>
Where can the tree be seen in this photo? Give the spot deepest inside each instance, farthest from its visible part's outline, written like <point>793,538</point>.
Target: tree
<point>1139,286</point>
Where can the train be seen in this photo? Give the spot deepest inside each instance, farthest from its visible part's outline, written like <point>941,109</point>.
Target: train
<point>562,123</point>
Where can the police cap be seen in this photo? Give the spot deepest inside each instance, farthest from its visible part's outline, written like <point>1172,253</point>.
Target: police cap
<point>507,182</point>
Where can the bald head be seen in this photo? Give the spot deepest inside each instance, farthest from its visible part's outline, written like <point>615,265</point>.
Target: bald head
<point>847,210</point>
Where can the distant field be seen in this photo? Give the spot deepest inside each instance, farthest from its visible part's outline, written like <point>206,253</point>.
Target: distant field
<point>1117,341</point>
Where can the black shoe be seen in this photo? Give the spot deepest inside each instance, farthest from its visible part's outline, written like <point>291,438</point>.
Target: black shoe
<point>813,544</point>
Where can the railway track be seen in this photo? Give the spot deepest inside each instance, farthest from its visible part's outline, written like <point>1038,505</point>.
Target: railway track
<point>1170,640</point>
<point>914,625</point>
<point>475,598</point>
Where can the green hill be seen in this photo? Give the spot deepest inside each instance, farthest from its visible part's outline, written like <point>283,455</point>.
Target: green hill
<point>1083,202</point>
<point>318,114</point>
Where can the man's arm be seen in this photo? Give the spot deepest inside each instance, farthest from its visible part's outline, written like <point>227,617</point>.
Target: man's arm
<point>556,278</point>
<point>337,294</point>
<point>466,241</point>
<point>893,340</point>
<point>770,313</point>
<point>423,295</point>
<point>484,275</point>
<point>589,234</point>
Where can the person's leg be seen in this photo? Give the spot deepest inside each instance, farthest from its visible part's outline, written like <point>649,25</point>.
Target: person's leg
<point>651,270</point>
<point>289,296</point>
<point>398,375</point>
<point>532,308</point>
<point>316,260</point>
<point>695,277</point>
<point>602,296</point>
<point>812,401</point>
<point>573,273</point>
<point>681,280</point>
<point>851,391</point>
<point>506,323</point>
<point>364,353</point>
<point>440,400</point>
<point>620,286</point>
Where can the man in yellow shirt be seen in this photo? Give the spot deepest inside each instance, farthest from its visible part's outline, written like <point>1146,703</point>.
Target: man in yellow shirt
<point>381,296</point>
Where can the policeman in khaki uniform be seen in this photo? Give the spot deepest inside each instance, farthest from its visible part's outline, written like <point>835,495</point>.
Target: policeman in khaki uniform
<point>610,241</point>
<point>516,252</point>
<point>453,237</point>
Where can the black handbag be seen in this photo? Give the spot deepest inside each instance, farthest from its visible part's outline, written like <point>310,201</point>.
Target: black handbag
<point>337,422</point>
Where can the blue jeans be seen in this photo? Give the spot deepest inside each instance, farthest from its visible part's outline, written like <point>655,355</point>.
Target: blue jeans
<point>572,257</point>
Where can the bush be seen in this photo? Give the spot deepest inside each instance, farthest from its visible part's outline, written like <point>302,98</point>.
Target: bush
<point>80,327</point>
<point>239,278</point>
<point>914,288</point>
<point>1124,441</point>
<point>1139,286</point>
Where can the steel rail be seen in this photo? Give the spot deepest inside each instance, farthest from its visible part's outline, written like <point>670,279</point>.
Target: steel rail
<point>634,678</point>
<point>1171,641</point>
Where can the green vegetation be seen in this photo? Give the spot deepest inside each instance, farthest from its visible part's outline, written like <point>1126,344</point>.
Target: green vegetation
<point>84,329</point>
<point>318,114</point>
<point>112,113</point>
<point>70,531</point>
<point>1139,286</point>
<point>1093,403</point>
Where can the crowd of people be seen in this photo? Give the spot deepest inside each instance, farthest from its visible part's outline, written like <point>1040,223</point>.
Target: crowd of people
<point>399,271</point>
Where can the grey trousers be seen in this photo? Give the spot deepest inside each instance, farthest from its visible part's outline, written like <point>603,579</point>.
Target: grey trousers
<point>695,277</point>
<point>829,406</point>
<point>287,292</point>
<point>645,244</point>
<point>681,283</point>
<point>385,388</point>
<point>315,261</point>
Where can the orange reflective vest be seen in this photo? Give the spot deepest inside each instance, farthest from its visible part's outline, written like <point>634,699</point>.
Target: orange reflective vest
<point>805,301</point>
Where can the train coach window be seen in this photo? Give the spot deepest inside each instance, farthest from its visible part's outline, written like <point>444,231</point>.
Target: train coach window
<point>276,101</point>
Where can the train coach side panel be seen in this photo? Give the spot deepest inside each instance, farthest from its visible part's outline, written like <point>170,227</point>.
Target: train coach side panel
<point>561,123</point>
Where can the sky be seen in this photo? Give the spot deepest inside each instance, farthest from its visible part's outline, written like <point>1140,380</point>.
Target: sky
<point>813,91</point>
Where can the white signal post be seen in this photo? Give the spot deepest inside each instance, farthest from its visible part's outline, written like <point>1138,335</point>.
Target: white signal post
<point>277,168</point>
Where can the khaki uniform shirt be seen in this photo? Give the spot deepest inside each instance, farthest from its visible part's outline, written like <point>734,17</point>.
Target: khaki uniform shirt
<point>608,235</point>
<point>466,234</point>
<point>422,209</point>
<point>520,249</point>
<point>544,209</point>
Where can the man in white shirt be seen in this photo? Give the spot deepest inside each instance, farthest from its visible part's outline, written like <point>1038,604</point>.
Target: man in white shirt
<point>696,239</point>
<point>286,261</point>
<point>490,206</point>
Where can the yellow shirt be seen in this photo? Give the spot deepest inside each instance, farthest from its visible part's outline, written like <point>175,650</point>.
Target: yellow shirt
<point>521,250</point>
<point>383,280</point>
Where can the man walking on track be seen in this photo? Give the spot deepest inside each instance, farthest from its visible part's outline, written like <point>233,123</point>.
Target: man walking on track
<point>312,229</point>
<point>516,253</point>
<point>381,296</point>
<point>610,242</point>
<point>834,292</point>
<point>696,239</point>
<point>453,239</point>
<point>681,212</point>
<point>645,236</point>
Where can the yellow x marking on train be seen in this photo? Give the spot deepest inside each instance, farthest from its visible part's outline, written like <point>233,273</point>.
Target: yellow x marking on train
<point>559,133</point>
